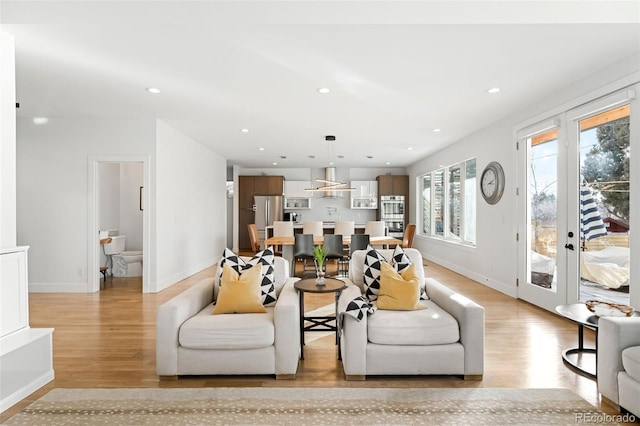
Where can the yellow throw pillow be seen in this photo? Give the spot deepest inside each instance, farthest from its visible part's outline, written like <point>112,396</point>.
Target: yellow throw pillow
<point>240,294</point>
<point>399,292</point>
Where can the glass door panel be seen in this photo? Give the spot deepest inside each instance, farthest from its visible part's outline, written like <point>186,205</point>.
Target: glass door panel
<point>605,159</point>
<point>541,277</point>
<point>543,211</point>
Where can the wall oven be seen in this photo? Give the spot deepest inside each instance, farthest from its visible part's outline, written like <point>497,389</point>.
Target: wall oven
<point>392,213</point>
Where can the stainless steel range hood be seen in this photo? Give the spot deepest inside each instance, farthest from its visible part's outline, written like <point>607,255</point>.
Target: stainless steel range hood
<point>331,186</point>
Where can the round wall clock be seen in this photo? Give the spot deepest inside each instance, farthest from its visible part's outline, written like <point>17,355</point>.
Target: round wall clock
<point>492,182</point>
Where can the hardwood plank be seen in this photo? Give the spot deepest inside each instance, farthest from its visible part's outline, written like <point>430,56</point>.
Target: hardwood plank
<point>107,339</point>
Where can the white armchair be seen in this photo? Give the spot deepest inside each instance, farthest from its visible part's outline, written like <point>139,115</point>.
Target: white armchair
<point>619,362</point>
<point>192,341</point>
<point>447,338</point>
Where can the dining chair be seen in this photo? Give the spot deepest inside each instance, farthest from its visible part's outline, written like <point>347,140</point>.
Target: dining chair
<point>344,228</point>
<point>334,246</point>
<point>409,233</point>
<point>282,229</point>
<point>375,228</point>
<point>253,237</point>
<point>313,227</point>
<point>303,251</point>
<point>357,242</point>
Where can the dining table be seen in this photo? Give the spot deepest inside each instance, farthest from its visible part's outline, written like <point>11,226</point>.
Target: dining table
<point>287,244</point>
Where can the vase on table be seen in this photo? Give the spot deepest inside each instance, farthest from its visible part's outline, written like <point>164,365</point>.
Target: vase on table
<point>319,275</point>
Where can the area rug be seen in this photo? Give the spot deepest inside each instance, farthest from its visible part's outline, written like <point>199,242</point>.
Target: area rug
<point>309,406</point>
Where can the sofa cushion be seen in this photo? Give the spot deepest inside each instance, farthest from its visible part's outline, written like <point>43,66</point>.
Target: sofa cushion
<point>631,362</point>
<point>399,292</point>
<point>431,326</point>
<point>266,258</point>
<point>240,331</point>
<point>239,293</point>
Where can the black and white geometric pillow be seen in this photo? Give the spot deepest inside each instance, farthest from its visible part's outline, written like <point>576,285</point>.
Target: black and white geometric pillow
<point>232,260</point>
<point>359,307</point>
<point>372,267</point>
<point>400,261</point>
<point>266,258</point>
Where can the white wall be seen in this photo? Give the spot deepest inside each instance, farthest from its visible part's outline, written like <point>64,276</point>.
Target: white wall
<point>131,223</point>
<point>7,142</point>
<point>53,190</point>
<point>494,260</point>
<point>190,189</point>
<point>109,196</point>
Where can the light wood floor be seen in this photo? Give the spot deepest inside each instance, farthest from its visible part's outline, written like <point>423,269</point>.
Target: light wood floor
<point>107,339</point>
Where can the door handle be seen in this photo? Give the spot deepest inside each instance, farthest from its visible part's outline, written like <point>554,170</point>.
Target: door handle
<point>568,246</point>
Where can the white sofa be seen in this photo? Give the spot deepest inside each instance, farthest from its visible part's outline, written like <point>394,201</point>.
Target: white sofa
<point>619,362</point>
<point>192,341</point>
<point>445,339</point>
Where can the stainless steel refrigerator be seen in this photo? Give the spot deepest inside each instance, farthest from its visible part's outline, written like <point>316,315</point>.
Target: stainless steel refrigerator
<point>267,209</point>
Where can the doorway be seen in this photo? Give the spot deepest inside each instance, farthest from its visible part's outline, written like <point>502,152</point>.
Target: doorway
<point>119,202</point>
<point>574,240</point>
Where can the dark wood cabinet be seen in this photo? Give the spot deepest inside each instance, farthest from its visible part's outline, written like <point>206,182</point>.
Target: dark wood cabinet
<point>248,186</point>
<point>395,185</point>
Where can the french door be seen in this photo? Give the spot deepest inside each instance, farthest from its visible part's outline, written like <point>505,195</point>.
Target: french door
<point>574,201</point>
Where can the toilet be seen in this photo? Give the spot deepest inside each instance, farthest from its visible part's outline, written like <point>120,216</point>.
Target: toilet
<point>123,263</point>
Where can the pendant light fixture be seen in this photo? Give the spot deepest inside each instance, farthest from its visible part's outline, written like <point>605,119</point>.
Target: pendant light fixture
<point>330,183</point>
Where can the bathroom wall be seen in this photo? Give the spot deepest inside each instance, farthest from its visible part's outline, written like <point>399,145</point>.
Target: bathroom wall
<point>131,179</point>
<point>120,201</point>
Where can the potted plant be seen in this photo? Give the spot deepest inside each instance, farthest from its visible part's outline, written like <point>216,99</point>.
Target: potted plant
<point>320,254</point>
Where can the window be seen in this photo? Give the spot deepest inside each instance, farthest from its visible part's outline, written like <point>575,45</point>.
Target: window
<point>449,202</point>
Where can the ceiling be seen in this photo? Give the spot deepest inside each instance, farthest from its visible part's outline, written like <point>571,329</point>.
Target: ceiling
<point>396,70</point>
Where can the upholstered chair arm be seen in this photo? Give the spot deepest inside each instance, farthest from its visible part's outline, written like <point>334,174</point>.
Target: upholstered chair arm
<point>470,317</point>
<point>287,329</point>
<point>614,335</point>
<point>353,342</point>
<point>170,317</point>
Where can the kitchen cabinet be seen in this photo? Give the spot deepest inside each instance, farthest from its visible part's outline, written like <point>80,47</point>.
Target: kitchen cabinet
<point>296,196</point>
<point>393,185</point>
<point>248,186</point>
<point>365,195</point>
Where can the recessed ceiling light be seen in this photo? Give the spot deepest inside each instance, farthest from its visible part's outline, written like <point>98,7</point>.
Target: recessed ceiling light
<point>331,163</point>
<point>261,149</point>
<point>274,163</point>
<point>436,130</point>
<point>410,148</point>
<point>244,130</point>
<point>40,120</point>
<point>493,90</point>
<point>324,90</point>
<point>388,163</point>
<point>154,90</point>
